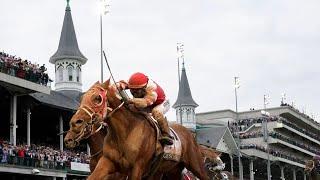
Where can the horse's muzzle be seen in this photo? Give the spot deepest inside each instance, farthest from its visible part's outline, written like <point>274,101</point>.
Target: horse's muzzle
<point>70,143</point>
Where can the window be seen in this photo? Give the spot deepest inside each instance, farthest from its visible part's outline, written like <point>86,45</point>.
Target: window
<point>78,74</point>
<point>70,72</point>
<point>188,114</point>
<point>60,73</point>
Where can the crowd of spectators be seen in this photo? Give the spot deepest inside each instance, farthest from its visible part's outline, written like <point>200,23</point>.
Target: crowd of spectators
<point>274,152</point>
<point>253,134</point>
<point>276,135</point>
<point>39,156</point>
<point>15,66</point>
<point>302,130</point>
<point>246,123</point>
<point>294,142</point>
<point>303,113</point>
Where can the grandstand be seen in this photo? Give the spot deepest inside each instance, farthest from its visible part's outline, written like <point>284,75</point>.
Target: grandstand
<point>289,136</point>
<point>34,117</point>
<point>31,114</point>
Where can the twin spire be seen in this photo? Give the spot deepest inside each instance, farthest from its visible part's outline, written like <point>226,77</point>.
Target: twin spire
<point>184,95</point>
<point>68,44</point>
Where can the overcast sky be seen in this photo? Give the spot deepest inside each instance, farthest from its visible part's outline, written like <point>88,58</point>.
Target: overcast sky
<point>272,45</point>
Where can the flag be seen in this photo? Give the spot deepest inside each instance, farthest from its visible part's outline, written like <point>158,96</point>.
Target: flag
<point>266,99</point>
<point>104,7</point>
<point>237,82</point>
<point>180,50</point>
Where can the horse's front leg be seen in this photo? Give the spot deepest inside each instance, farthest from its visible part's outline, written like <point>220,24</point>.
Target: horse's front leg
<point>104,170</point>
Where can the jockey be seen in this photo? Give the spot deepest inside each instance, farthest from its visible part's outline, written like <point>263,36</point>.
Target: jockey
<point>149,96</point>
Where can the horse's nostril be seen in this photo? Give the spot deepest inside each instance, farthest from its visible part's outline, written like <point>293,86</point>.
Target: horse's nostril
<point>68,140</point>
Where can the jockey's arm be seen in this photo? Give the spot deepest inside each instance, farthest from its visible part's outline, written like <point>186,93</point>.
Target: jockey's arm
<point>147,100</point>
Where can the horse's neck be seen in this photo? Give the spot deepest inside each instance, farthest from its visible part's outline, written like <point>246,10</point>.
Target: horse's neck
<point>120,120</point>
<point>96,141</point>
<point>120,124</point>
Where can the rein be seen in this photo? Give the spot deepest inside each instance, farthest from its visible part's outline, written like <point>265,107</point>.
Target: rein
<point>95,154</point>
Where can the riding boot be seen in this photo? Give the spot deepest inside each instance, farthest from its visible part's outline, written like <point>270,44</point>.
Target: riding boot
<point>166,139</point>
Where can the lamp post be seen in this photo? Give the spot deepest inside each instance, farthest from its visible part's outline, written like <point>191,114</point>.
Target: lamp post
<point>180,55</point>
<point>266,132</point>
<point>236,87</point>
<point>103,11</point>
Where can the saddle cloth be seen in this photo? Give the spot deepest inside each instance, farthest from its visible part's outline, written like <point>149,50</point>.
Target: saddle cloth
<point>171,152</point>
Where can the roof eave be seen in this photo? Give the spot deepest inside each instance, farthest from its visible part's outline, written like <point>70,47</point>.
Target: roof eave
<point>54,58</point>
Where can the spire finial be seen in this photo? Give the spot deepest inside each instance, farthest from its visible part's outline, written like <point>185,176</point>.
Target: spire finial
<point>183,64</point>
<point>68,5</point>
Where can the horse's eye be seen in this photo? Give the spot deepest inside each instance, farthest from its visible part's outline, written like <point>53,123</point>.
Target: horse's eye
<point>79,121</point>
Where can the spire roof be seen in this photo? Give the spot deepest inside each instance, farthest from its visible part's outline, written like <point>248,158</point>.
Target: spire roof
<point>68,44</point>
<point>184,95</point>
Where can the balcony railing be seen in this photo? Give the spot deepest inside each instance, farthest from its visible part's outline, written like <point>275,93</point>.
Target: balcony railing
<point>35,163</point>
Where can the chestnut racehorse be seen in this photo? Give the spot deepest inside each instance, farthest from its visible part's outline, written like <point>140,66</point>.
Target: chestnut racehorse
<point>130,145</point>
<point>311,168</point>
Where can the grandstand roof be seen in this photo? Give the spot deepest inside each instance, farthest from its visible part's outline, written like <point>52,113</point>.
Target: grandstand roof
<point>219,138</point>
<point>68,45</point>
<point>57,100</point>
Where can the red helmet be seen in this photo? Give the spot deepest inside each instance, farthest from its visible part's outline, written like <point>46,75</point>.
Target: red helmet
<point>137,80</point>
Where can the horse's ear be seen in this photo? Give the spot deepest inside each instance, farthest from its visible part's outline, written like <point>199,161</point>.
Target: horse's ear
<point>105,85</point>
<point>96,83</point>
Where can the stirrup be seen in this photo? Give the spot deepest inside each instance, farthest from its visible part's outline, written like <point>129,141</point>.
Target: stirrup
<point>165,140</point>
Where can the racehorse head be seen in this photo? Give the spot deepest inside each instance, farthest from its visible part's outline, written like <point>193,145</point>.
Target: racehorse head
<point>309,166</point>
<point>89,117</point>
<point>312,168</point>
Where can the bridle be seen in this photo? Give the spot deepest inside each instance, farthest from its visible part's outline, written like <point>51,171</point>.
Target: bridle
<point>94,110</point>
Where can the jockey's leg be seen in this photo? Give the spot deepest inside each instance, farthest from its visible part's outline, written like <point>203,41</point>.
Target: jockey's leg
<point>163,124</point>
<point>104,170</point>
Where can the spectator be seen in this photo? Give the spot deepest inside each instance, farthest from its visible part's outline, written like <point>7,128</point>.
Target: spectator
<point>23,69</point>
